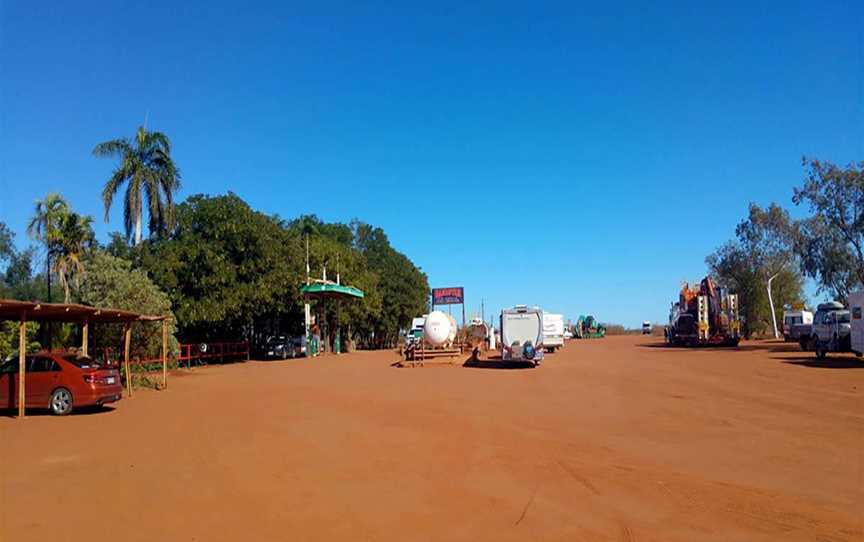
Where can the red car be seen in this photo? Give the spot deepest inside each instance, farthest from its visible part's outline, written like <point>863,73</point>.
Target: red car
<point>60,382</point>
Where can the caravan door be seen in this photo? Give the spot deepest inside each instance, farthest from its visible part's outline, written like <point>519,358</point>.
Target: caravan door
<point>856,307</point>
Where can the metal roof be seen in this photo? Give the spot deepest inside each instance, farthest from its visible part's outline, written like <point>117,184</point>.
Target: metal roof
<point>11,309</point>
<point>330,289</point>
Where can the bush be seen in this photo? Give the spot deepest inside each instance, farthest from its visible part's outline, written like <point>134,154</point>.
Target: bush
<point>112,283</point>
<point>9,338</point>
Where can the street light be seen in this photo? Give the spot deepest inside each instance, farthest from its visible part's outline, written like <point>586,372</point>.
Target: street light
<point>771,302</point>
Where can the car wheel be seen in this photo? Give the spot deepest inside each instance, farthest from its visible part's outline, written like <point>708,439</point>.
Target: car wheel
<point>61,402</point>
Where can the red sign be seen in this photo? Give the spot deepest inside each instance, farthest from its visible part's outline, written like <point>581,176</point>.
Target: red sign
<point>448,296</point>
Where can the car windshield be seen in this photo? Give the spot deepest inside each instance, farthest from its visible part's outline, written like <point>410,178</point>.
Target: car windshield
<point>279,339</point>
<point>82,362</point>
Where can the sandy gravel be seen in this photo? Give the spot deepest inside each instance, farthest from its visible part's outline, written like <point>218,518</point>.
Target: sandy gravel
<point>614,439</point>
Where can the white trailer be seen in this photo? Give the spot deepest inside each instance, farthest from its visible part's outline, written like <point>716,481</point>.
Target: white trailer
<point>522,334</point>
<point>553,331</point>
<point>856,307</point>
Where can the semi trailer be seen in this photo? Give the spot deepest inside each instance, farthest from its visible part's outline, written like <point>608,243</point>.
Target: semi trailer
<point>707,315</point>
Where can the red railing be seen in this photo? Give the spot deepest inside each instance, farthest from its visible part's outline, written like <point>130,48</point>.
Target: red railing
<point>189,353</point>
<point>212,351</point>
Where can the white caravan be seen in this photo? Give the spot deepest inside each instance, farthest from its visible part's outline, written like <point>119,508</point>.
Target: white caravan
<point>553,331</point>
<point>522,334</point>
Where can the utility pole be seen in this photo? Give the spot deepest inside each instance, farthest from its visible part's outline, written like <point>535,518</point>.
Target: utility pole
<point>307,316</point>
<point>771,302</point>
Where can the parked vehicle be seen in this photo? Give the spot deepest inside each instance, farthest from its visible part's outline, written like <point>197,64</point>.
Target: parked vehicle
<point>59,382</point>
<point>415,334</point>
<point>704,316</point>
<point>588,327</point>
<point>796,322</point>
<point>832,333</point>
<point>553,331</point>
<point>285,347</point>
<point>522,334</point>
<point>806,335</point>
<point>856,307</point>
<point>646,328</point>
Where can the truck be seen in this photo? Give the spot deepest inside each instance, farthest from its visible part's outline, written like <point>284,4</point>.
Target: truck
<point>415,334</point>
<point>707,315</point>
<point>805,332</point>
<point>794,322</point>
<point>856,306</point>
<point>646,327</point>
<point>522,335</point>
<point>832,332</point>
<point>553,331</point>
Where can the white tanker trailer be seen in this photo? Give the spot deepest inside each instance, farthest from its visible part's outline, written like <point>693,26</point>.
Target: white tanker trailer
<point>440,329</point>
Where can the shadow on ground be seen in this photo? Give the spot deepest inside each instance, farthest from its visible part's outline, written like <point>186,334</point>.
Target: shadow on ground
<point>773,347</point>
<point>495,362</point>
<point>827,363</point>
<point>78,411</point>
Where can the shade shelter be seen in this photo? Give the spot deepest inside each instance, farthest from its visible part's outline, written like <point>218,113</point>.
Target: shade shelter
<point>26,311</point>
<point>323,291</point>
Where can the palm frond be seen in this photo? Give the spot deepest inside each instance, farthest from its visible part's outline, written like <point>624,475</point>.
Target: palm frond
<point>115,147</point>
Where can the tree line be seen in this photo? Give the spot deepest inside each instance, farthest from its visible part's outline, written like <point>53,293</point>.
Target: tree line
<point>826,246</point>
<point>221,269</point>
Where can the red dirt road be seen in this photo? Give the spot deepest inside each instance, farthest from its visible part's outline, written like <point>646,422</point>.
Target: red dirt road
<point>615,439</point>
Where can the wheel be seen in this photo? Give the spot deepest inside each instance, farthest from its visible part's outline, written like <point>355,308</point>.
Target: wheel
<point>820,351</point>
<point>61,402</point>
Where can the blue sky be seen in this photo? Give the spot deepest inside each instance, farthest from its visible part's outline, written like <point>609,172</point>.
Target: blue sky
<point>585,159</point>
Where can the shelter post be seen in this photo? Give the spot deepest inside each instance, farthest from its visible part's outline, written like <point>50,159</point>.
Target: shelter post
<point>127,337</point>
<point>164,354</point>
<point>85,337</point>
<point>22,352</point>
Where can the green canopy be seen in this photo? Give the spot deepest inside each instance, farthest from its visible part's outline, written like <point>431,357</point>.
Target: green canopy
<point>331,290</point>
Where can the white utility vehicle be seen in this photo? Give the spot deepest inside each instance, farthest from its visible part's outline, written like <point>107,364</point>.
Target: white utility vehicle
<point>831,332</point>
<point>553,331</point>
<point>522,334</point>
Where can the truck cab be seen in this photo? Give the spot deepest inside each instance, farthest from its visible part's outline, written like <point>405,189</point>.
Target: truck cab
<point>832,332</point>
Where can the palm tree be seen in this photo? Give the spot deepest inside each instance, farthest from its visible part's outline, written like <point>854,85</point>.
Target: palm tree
<point>74,239</point>
<point>45,227</point>
<point>149,172</point>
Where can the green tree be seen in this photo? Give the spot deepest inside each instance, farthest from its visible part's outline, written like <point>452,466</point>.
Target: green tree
<point>9,336</point>
<point>149,172</point>
<point>830,244</point>
<point>19,280</point>
<point>224,266</point>
<point>7,244</point>
<point>73,240</point>
<point>404,288</point>
<point>113,283</point>
<point>763,248</point>
<point>45,227</point>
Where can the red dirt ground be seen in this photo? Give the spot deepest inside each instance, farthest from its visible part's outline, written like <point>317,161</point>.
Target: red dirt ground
<point>614,439</point>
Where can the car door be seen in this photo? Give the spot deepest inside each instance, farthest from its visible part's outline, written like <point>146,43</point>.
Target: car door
<point>41,380</point>
<point>9,384</point>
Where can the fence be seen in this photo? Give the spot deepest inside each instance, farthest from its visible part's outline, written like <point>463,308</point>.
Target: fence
<point>193,354</point>
<point>212,351</point>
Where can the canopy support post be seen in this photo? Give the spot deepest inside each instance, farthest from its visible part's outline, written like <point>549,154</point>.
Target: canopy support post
<point>85,337</point>
<point>127,338</point>
<point>164,354</point>
<point>22,353</point>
